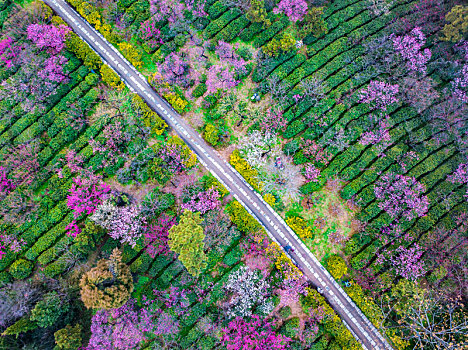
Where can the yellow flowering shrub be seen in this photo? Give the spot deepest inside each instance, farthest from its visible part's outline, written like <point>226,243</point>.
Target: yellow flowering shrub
<point>243,167</point>
<point>270,199</point>
<point>111,78</point>
<point>131,54</point>
<point>366,304</point>
<point>176,101</point>
<point>190,159</point>
<point>300,226</point>
<point>282,262</point>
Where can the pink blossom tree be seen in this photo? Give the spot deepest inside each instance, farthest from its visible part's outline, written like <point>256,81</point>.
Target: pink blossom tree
<point>49,37</point>
<point>220,78</point>
<point>253,334</point>
<point>379,95</point>
<point>401,195</point>
<point>294,9</point>
<point>175,69</point>
<point>127,225</point>
<point>53,70</point>
<point>460,176</point>
<point>311,173</point>
<point>157,236</point>
<point>11,243</point>
<point>407,262</point>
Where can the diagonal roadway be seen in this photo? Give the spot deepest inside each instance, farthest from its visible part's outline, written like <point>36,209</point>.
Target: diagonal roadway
<point>277,229</point>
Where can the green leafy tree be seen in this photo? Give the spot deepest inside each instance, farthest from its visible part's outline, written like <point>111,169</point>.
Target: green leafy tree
<point>313,23</point>
<point>337,266</point>
<point>49,310</point>
<point>68,338</point>
<point>186,239</point>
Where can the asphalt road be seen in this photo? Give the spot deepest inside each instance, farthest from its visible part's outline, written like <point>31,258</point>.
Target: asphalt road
<point>352,317</point>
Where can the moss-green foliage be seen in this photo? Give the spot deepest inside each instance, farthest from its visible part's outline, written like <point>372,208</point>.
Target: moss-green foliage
<point>186,239</point>
<point>457,26</point>
<point>21,269</point>
<point>68,338</point>
<point>257,13</point>
<point>199,90</point>
<point>211,134</point>
<point>21,326</point>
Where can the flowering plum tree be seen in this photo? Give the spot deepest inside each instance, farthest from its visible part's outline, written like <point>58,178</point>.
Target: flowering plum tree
<point>247,289</point>
<point>294,9</point>
<point>127,225</point>
<point>401,195</point>
<point>410,49</point>
<point>53,70</point>
<point>311,173</point>
<point>255,333</point>
<point>203,201</point>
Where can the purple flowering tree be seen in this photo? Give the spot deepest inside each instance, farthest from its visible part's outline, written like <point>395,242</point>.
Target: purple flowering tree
<point>220,78</point>
<point>174,69</point>
<point>407,262</point>
<point>295,10</point>
<point>10,243</point>
<point>311,173</point>
<point>401,196</point>
<point>460,176</point>
<point>149,33</point>
<point>157,236</point>
<point>53,70</point>
<point>255,333</point>
<point>6,185</point>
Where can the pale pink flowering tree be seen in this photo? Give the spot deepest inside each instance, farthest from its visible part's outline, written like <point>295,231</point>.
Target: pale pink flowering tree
<point>226,53</point>
<point>157,236</point>
<point>254,334</point>
<point>203,201</point>
<point>295,10</point>
<point>127,225</point>
<point>410,49</point>
<point>47,36</point>
<point>379,137</point>
<point>379,95</point>
<point>291,290</point>
<point>175,69</point>
<point>401,195</point>
<point>220,78</point>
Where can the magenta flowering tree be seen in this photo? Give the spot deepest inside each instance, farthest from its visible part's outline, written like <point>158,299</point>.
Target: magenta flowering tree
<point>379,95</point>
<point>157,236</point>
<point>220,78</point>
<point>410,49</point>
<point>203,201</point>
<point>315,152</point>
<point>254,334</point>
<point>48,37</point>
<point>85,195</point>
<point>295,10</point>
<point>401,196</point>
<point>9,52</point>
<point>6,185</point>
<point>273,121</point>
